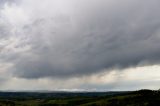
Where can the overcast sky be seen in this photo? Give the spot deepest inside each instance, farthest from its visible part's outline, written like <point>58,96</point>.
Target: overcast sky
<point>79,44</point>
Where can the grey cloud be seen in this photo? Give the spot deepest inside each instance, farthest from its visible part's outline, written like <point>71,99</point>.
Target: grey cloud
<point>92,36</point>
<point>2,2</point>
<point>4,28</point>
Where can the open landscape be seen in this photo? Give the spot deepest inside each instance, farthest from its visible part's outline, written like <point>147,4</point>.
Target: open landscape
<point>79,52</point>
<point>127,98</point>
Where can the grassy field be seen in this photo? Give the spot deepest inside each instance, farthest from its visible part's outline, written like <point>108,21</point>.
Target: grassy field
<point>135,98</point>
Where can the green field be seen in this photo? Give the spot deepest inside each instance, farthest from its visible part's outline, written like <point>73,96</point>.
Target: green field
<point>135,98</point>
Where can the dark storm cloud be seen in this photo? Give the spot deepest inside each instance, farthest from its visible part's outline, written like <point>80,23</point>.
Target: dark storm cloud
<point>92,36</point>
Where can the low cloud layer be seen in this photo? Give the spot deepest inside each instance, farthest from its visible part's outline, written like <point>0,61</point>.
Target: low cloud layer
<point>147,77</point>
<point>59,39</point>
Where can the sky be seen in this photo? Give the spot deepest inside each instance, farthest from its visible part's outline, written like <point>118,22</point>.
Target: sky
<point>73,45</point>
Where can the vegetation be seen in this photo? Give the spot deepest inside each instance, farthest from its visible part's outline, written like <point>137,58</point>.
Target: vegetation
<point>136,98</point>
